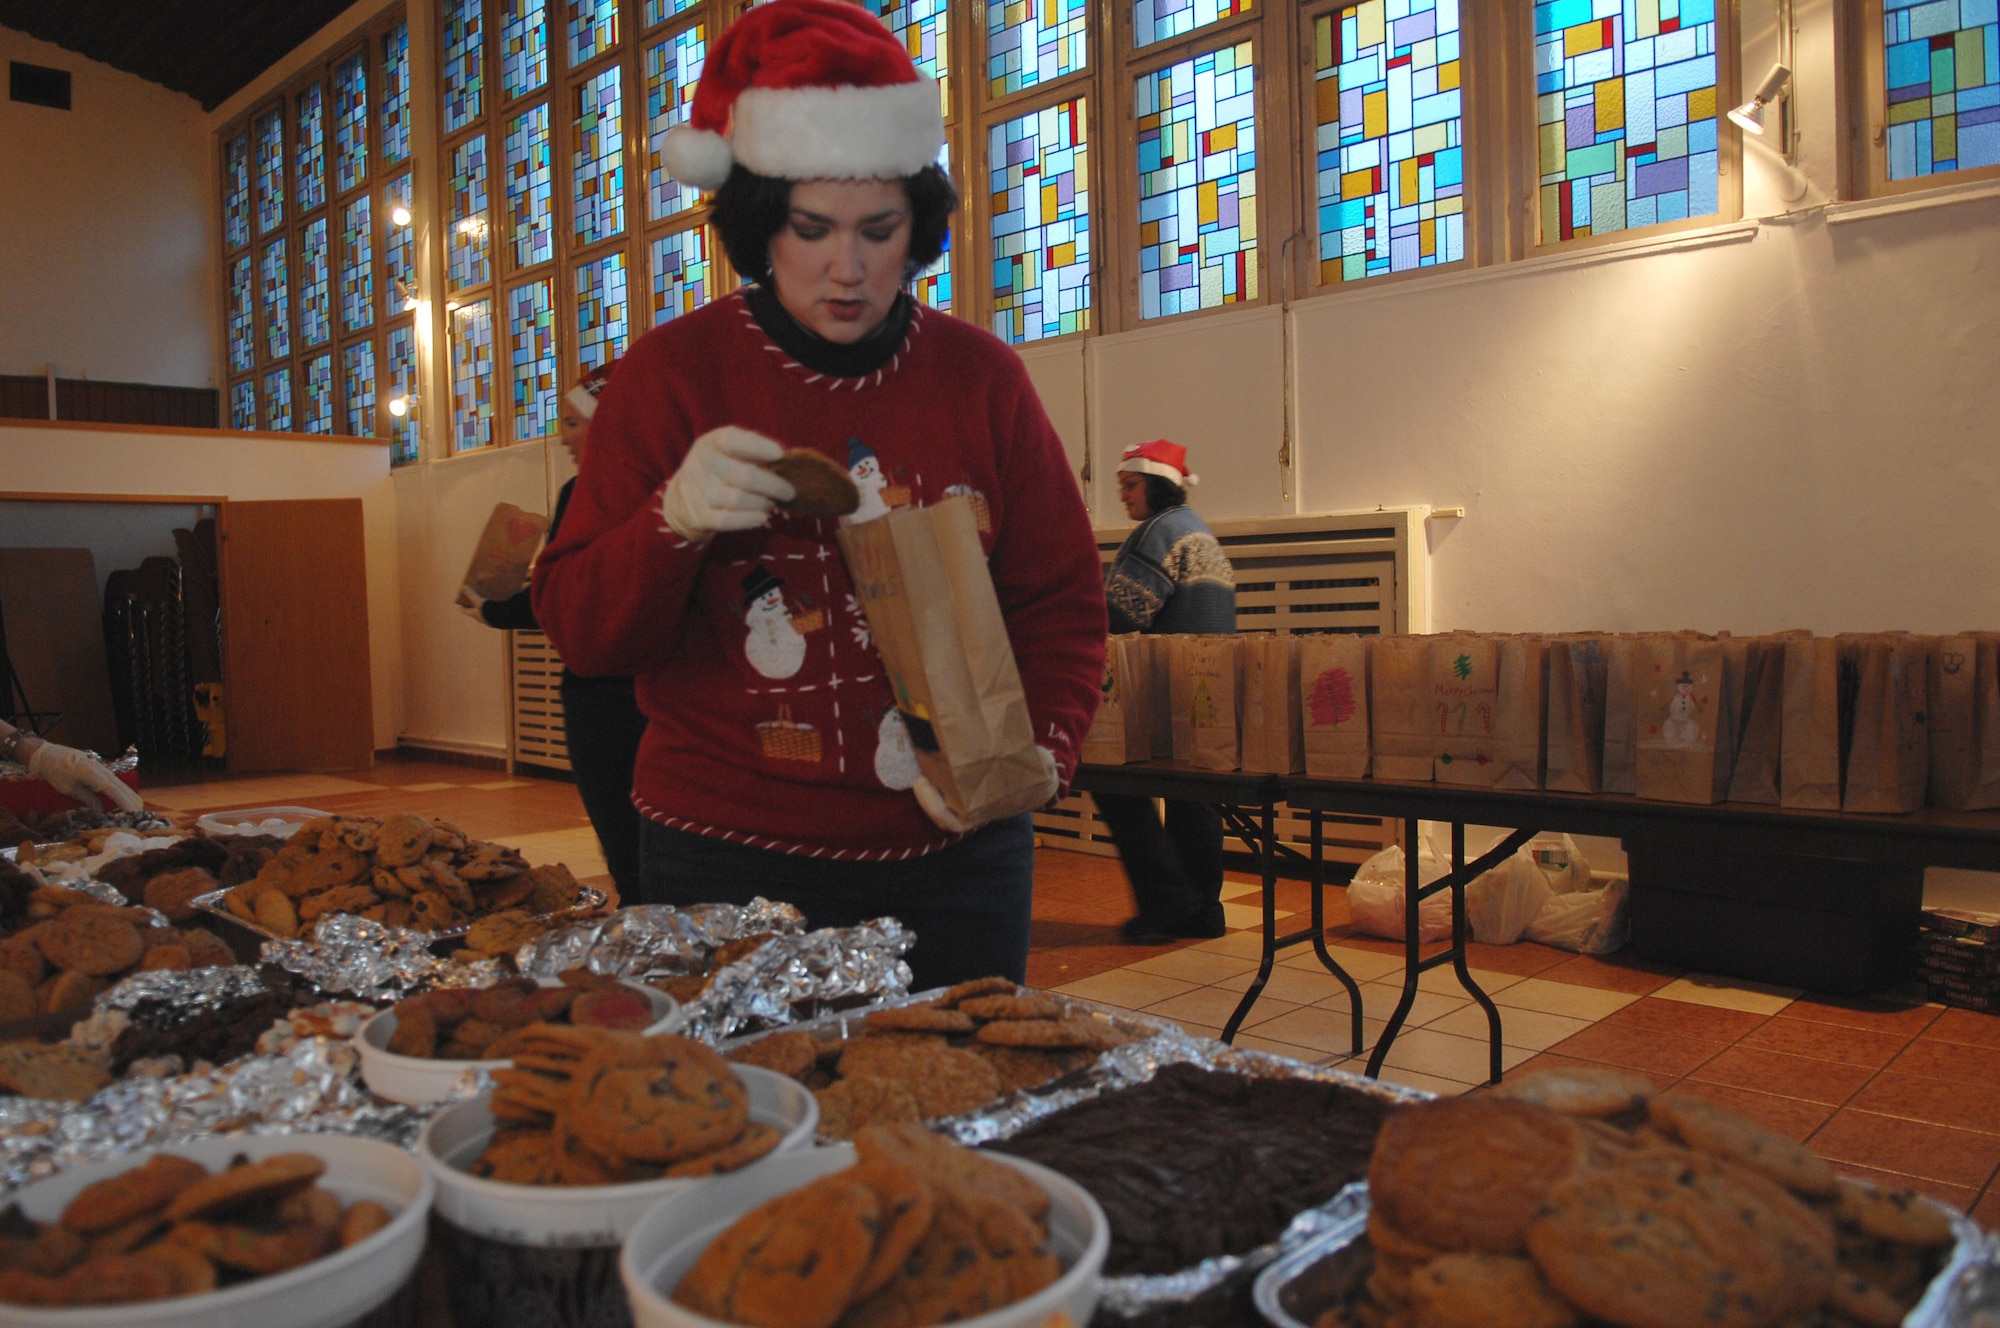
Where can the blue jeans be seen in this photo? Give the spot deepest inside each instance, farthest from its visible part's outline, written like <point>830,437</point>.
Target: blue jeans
<point>969,904</point>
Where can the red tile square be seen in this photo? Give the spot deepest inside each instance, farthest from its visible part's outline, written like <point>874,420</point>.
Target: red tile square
<point>1635,977</point>
<point>1743,1067</point>
<point>1958,1196</point>
<point>1526,960</point>
<point>1549,1060</point>
<point>1646,1050</point>
<point>1792,1117</point>
<point>1968,1106</point>
<point>1710,1023</point>
<point>1959,1062</point>
<point>1860,1012</point>
<point>1970,1027</point>
<point>1826,1042</point>
<point>1909,1148</point>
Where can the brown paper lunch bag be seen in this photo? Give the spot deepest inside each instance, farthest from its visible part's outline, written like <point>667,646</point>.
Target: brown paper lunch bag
<point>1119,732</point>
<point>1574,750</point>
<point>1399,709</point>
<point>1333,704</point>
<point>1809,731</point>
<point>1986,720</point>
<point>1520,726</point>
<point>1204,684</point>
<point>1464,704</point>
<point>1684,718</point>
<point>1888,750</point>
<point>1760,727</point>
<point>1621,717</point>
<point>1273,736</point>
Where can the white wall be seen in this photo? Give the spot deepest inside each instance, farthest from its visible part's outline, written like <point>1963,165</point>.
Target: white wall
<point>108,231</point>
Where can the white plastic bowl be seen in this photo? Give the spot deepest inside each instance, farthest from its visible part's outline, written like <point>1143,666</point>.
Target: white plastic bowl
<point>421,1080</point>
<point>667,1242</point>
<point>327,1293</point>
<point>280,821</point>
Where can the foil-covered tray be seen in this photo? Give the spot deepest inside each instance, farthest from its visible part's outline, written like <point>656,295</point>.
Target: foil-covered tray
<point>1287,1296</point>
<point>590,900</point>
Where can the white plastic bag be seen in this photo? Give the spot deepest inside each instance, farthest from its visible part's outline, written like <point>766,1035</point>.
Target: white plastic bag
<point>1500,904</point>
<point>1593,921</point>
<point>1561,861</point>
<point>1375,895</point>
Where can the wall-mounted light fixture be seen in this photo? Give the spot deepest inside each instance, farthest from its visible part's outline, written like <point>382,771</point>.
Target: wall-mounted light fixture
<point>399,215</point>
<point>403,404</point>
<point>1749,117</point>
<point>406,291</point>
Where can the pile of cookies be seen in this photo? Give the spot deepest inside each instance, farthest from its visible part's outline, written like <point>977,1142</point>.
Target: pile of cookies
<point>593,1106</point>
<point>910,1063</point>
<point>171,1228</point>
<point>919,1232</point>
<point>1582,1196</point>
<point>473,1024</point>
<point>406,871</point>
<point>67,946</point>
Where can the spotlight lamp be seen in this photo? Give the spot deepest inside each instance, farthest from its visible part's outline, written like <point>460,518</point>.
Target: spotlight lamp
<point>402,404</point>
<point>1749,117</point>
<point>400,215</point>
<point>406,291</point>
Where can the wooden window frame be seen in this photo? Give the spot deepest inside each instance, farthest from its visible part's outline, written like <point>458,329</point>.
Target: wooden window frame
<point>1861,108</point>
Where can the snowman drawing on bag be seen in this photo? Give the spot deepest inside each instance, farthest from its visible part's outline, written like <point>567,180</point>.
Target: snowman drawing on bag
<point>774,647</point>
<point>1680,728</point>
<point>895,755</point>
<point>865,469</point>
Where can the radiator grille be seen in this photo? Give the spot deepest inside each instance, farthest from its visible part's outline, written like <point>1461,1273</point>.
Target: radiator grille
<point>537,738</point>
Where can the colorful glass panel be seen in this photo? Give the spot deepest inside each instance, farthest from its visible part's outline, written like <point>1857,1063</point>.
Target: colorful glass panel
<point>923,28</point>
<point>278,401</point>
<point>673,66</point>
<point>270,134</point>
<point>243,404</point>
<point>350,123</point>
<point>357,374</point>
<point>1389,152</point>
<point>601,312</point>
<point>400,356</point>
<point>1942,72</point>
<point>311,154</point>
<point>357,266</point>
<point>593,29</point>
<point>470,255</point>
<point>396,95</point>
<point>242,315</point>
<point>275,298</point>
<point>464,76</point>
<point>597,165</point>
<point>316,405</point>
<point>399,246</point>
<point>1041,223</point>
<point>524,46</point>
<point>236,192</point>
<point>532,344</point>
<point>1033,41</point>
<point>1626,107</point>
<point>471,375</point>
<point>315,286</point>
<point>1157,20</point>
<point>933,284</point>
<point>530,188</point>
<point>659,11</point>
<point>683,274</point>
<point>1197,122</point>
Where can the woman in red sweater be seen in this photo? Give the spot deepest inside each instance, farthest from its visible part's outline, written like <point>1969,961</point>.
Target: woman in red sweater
<point>774,761</point>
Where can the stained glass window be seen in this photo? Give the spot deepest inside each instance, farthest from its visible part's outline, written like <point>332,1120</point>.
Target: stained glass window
<point>1041,223</point>
<point>922,25</point>
<point>315,293</point>
<point>242,315</point>
<point>1033,41</point>
<point>464,77</point>
<point>243,404</point>
<point>1198,183</point>
<point>1626,96</point>
<point>1943,78</point>
<point>316,413</point>
<point>601,313</point>
<point>270,131</point>
<point>357,266</point>
<point>399,249</point>
<point>470,257</point>
<point>357,372</point>
<point>672,68</point>
<point>350,123</point>
<point>524,46</point>
<point>532,344</point>
<point>236,192</point>
<point>278,401</point>
<point>1157,20</point>
<point>597,165</point>
<point>471,375</point>
<point>933,284</point>
<point>312,149</point>
<point>683,274</point>
<point>659,11</point>
<point>400,354</point>
<point>1388,148</point>
<point>396,95</point>
<point>593,29</point>
<point>530,192</point>
<point>275,297</point>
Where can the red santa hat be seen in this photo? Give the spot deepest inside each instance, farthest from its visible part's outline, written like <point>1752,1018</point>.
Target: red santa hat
<point>807,90</point>
<point>583,397</point>
<point>1162,458</point>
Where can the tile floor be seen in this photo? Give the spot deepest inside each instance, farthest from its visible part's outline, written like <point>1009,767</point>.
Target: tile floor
<point>1890,1088</point>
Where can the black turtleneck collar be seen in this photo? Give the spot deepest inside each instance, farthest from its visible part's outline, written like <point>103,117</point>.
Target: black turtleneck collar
<point>815,352</point>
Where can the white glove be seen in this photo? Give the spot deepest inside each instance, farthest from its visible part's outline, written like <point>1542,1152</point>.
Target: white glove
<point>1030,800</point>
<point>721,486</point>
<point>75,774</point>
<point>471,603</point>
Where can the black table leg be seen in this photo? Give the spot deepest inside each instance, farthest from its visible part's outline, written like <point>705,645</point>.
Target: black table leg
<point>1319,929</point>
<point>1458,879</point>
<point>1412,947</point>
<point>1267,862</point>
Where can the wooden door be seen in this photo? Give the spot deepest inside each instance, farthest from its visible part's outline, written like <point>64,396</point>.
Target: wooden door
<point>296,687</point>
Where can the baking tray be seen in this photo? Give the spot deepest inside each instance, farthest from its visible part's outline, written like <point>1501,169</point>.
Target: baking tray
<point>591,902</point>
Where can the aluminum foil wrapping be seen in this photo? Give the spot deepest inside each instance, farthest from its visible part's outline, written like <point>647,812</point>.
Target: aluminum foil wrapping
<point>654,940</point>
<point>356,957</point>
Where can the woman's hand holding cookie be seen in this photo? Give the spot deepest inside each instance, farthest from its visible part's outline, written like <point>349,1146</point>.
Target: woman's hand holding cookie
<point>723,485</point>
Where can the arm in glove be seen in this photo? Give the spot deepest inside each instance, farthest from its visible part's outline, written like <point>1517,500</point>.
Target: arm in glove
<point>1029,800</point>
<point>75,774</point>
<point>722,485</point>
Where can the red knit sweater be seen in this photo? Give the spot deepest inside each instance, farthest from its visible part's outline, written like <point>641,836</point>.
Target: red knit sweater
<point>770,720</point>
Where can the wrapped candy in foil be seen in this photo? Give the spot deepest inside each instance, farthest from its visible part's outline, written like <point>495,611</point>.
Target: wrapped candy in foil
<point>374,961</point>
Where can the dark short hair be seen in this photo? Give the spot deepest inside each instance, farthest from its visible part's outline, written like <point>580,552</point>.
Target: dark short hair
<point>750,208</point>
<point>1162,493</point>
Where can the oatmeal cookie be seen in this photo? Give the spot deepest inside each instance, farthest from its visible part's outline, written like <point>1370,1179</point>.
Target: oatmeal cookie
<point>920,1019</point>
<point>92,942</point>
<point>863,1099</point>
<point>56,1073</point>
<point>946,1081</point>
<point>792,1263</point>
<point>1029,1006</point>
<point>954,995</point>
<point>788,1052</point>
<point>1029,1067</point>
<point>1052,1033</point>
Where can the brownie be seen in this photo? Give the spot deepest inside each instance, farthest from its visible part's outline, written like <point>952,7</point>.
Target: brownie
<point>128,875</point>
<point>217,1034</point>
<point>1197,1163</point>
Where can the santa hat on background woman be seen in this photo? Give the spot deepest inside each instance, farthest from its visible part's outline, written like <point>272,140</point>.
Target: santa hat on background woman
<point>807,90</point>
<point>1162,458</point>
<point>583,397</point>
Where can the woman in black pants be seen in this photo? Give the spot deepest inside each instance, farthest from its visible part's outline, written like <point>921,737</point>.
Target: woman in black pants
<point>601,720</point>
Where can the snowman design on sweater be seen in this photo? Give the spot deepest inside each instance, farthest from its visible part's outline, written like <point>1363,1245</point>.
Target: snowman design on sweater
<point>895,755</point>
<point>774,647</point>
<point>865,469</point>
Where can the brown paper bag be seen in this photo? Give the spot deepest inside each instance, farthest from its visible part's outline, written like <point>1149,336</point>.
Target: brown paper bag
<point>1105,743</point>
<point>1401,727</point>
<point>1760,729</point>
<point>1203,677</point>
<point>1809,732</point>
<point>1986,719</point>
<point>1684,719</point>
<point>1621,716</point>
<point>1273,738</point>
<point>1333,686</point>
<point>505,551</point>
<point>923,583</point>
<point>1954,720</point>
<point>1575,746</point>
<point>1465,696</point>
<point>1888,756</point>
<point>1520,724</point>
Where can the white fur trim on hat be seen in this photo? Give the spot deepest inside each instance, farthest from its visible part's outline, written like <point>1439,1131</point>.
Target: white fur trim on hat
<point>583,400</point>
<point>696,156</point>
<point>1148,466</point>
<point>845,133</point>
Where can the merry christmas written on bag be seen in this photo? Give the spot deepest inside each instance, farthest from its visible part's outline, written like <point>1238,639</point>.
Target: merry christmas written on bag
<point>1273,739</point>
<point>1464,703</point>
<point>1333,686</point>
<point>1809,730</point>
<point>1888,751</point>
<point>1685,718</point>
<point>1399,706</point>
<point>1520,720</point>
<point>1574,749</point>
<point>1203,682</point>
